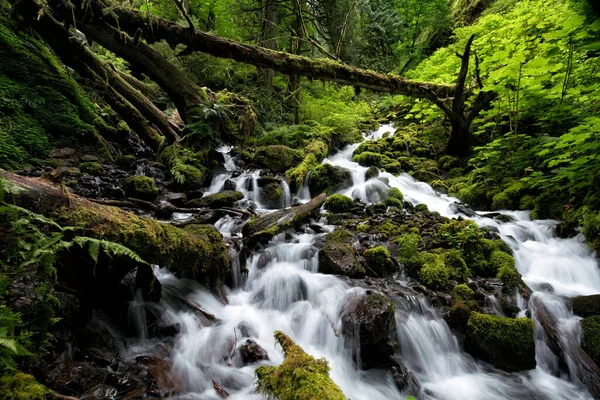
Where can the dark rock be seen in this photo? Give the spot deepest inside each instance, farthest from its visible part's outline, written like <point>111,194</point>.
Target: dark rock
<point>160,370</point>
<point>100,392</point>
<point>62,153</point>
<point>246,330</point>
<point>217,200</point>
<point>251,352</point>
<point>370,318</point>
<point>405,381</point>
<point>89,158</point>
<point>126,162</point>
<point>326,178</point>
<point>164,330</point>
<point>372,172</point>
<point>194,194</point>
<point>164,210</point>
<point>74,377</point>
<point>590,337</point>
<point>566,229</point>
<point>463,209</point>
<point>147,283</point>
<point>229,185</point>
<point>340,259</point>
<point>271,195</point>
<point>177,199</point>
<point>586,306</point>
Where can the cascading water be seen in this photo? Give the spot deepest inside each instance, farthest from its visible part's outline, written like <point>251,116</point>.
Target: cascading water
<point>284,291</point>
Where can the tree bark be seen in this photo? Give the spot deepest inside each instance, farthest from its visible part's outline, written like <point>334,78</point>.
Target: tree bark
<point>200,257</point>
<point>269,33</point>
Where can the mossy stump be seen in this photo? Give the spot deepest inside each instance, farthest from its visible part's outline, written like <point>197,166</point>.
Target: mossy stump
<point>299,377</point>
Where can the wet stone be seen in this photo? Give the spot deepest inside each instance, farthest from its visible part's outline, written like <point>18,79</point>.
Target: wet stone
<point>251,352</point>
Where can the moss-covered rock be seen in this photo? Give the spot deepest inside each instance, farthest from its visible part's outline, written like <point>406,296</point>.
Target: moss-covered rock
<point>507,343</point>
<point>126,161</point>
<point>226,198</point>
<point>339,257</point>
<point>421,208</point>
<point>510,198</point>
<point>408,251</point>
<point>586,306</point>
<point>590,337</point>
<point>396,194</point>
<point>370,159</point>
<point>505,265</point>
<point>379,261</point>
<point>186,177</point>
<point>371,317</point>
<point>20,386</point>
<point>141,187</point>
<point>463,292</point>
<point>394,202</point>
<point>338,203</point>
<point>299,377</point>
<point>327,178</point>
<point>434,273</point>
<point>458,267</point>
<point>372,172</point>
<point>271,195</point>
<point>277,158</point>
<point>91,168</point>
<point>591,230</point>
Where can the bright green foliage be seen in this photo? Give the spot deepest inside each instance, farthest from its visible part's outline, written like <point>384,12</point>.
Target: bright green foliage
<point>299,377</point>
<point>338,203</point>
<point>396,193</point>
<point>379,260</point>
<point>505,265</point>
<point>393,202</point>
<point>463,292</point>
<point>277,158</point>
<point>434,272</point>
<point>591,229</point>
<point>460,235</point>
<point>20,386</point>
<point>39,103</point>
<point>408,250</point>
<point>91,168</point>
<point>458,267</point>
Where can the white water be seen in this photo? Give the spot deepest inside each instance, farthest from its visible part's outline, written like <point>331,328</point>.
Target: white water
<point>284,291</point>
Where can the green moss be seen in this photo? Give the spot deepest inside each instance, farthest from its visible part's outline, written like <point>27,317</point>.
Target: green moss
<point>408,251</point>
<point>586,306</point>
<point>168,155</point>
<point>127,161</point>
<point>369,159</point>
<point>339,203</point>
<point>500,260</point>
<point>22,386</point>
<point>226,198</point>
<point>389,228</point>
<point>434,273</point>
<point>396,194</point>
<point>91,168</point>
<point>463,292</point>
<point>363,228</point>
<point>509,198</point>
<point>393,202</point>
<point>505,342</point>
<point>458,266</point>
<point>326,178</point>
<point>297,175</point>
<point>319,148</point>
<point>186,176</point>
<point>299,377</point>
<point>591,229</point>
<point>277,158</point>
<point>379,260</point>
<point>421,208</point>
<point>590,337</point>
<point>141,187</point>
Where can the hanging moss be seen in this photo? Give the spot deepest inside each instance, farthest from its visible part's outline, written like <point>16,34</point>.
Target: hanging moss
<point>299,377</point>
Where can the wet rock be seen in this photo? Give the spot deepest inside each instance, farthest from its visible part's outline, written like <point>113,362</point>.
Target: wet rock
<point>89,158</point>
<point>74,377</point>
<point>327,178</point>
<point>100,392</point>
<point>229,185</point>
<point>339,257</point>
<point>147,283</point>
<point>177,199</point>
<point>566,229</point>
<point>405,381</point>
<point>217,200</point>
<point>372,172</point>
<point>126,161</point>
<point>151,169</point>
<point>380,262</point>
<point>160,370</point>
<point>371,319</point>
<point>68,171</point>
<point>164,330</point>
<point>245,330</point>
<point>463,209</point>
<point>194,194</point>
<point>271,195</point>
<point>586,306</point>
<point>164,210</point>
<point>251,352</point>
<point>507,343</point>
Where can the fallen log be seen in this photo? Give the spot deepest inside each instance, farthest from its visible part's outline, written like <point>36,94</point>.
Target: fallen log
<point>199,254</point>
<point>265,227</point>
<point>568,349</point>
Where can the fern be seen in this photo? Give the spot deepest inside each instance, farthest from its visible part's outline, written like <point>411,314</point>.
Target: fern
<point>109,248</point>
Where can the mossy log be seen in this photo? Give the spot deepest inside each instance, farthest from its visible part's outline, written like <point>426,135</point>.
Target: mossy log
<point>265,227</point>
<point>563,346</point>
<point>299,377</point>
<point>200,255</point>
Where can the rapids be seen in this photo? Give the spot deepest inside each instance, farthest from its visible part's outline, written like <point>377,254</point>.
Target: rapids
<point>284,291</point>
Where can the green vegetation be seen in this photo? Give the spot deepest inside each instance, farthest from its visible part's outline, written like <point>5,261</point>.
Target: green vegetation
<point>379,260</point>
<point>434,272</point>
<point>299,377</point>
<point>141,187</point>
<point>463,292</point>
<point>590,340</point>
<point>338,203</point>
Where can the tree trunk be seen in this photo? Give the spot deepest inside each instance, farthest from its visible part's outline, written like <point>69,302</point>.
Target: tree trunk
<point>200,257</point>
<point>269,34</point>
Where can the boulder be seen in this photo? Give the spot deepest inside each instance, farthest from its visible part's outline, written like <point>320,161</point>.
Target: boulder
<point>226,198</point>
<point>586,306</point>
<point>62,153</point>
<point>326,178</point>
<point>338,203</point>
<point>507,343</point>
<point>251,352</point>
<point>271,195</point>
<point>372,172</point>
<point>277,158</point>
<point>405,381</point>
<point>380,262</point>
<point>371,318</point>
<point>141,187</point>
<point>229,185</point>
<point>177,199</point>
<point>339,257</point>
<point>164,210</point>
<point>89,158</point>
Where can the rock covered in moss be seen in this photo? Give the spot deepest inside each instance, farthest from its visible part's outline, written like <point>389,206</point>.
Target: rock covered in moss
<point>408,251</point>
<point>507,343</point>
<point>186,177</point>
<point>20,386</point>
<point>591,230</point>
<point>339,257</point>
<point>226,198</point>
<point>271,195</point>
<point>434,272</point>
<point>463,292</point>
<point>338,203</point>
<point>327,178</point>
<point>91,168</point>
<point>141,187</point>
<point>590,337</point>
<point>277,158</point>
<point>371,318</point>
<point>299,377</point>
<point>372,172</point>
<point>125,161</point>
<point>586,306</point>
<point>379,261</point>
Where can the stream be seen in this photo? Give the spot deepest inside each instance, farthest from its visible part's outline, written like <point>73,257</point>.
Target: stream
<point>283,290</point>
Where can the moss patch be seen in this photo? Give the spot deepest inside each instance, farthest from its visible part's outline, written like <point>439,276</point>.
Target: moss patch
<point>91,168</point>
<point>379,261</point>
<point>434,273</point>
<point>141,187</point>
<point>339,203</point>
<point>277,158</point>
<point>590,340</point>
<point>20,386</point>
<point>299,377</point>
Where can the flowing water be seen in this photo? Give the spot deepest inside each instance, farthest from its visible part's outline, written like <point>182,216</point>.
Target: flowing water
<point>284,291</point>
